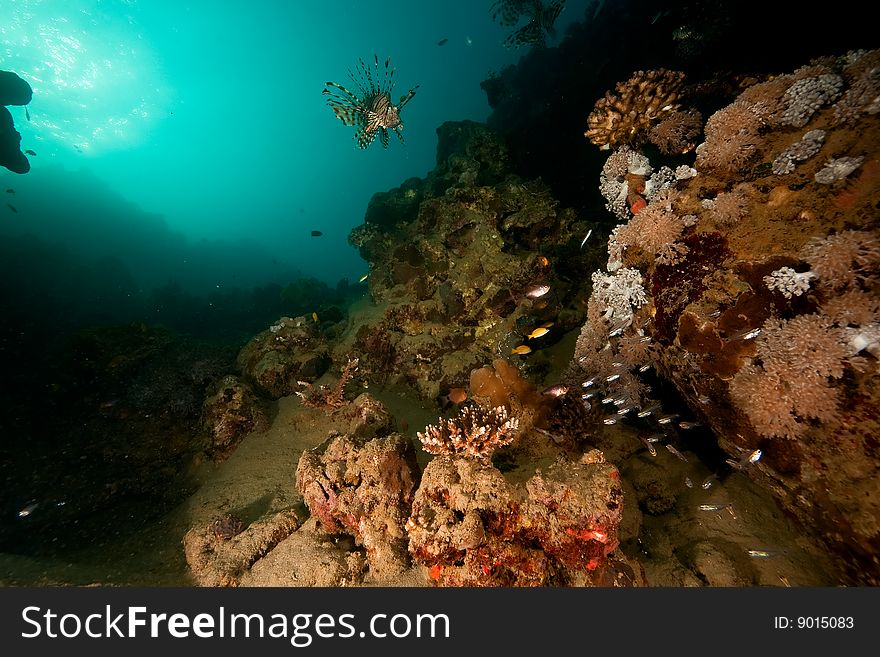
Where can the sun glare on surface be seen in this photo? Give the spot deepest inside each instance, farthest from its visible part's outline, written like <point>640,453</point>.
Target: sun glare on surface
<point>96,81</point>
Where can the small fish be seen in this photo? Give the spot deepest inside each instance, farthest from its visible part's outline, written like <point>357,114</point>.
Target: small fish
<point>442,42</point>
<point>543,261</point>
<point>457,395</point>
<point>28,510</point>
<point>689,425</point>
<point>317,233</point>
<point>759,554</point>
<point>624,410</point>
<point>364,277</point>
<point>745,335</point>
<point>612,377</point>
<point>708,481</point>
<point>10,191</point>
<point>27,114</point>
<point>666,419</point>
<point>651,449</point>
<point>589,382</point>
<point>608,400</point>
<point>12,207</point>
<point>586,237</point>
<point>610,420</point>
<point>676,453</point>
<point>651,409</point>
<point>315,317</point>
<point>644,368</point>
<point>715,507</point>
<point>615,332</point>
<point>555,391</point>
<point>755,456</point>
<point>688,482</point>
<point>588,395</point>
<point>468,41</point>
<point>538,333</point>
<point>521,350</point>
<point>29,152</point>
<point>537,291</point>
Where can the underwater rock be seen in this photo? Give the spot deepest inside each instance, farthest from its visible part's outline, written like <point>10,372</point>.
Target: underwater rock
<point>451,283</point>
<point>471,527</point>
<point>290,350</point>
<point>214,560</point>
<point>13,91</point>
<point>308,557</point>
<point>363,489</point>
<point>367,418</point>
<point>230,412</point>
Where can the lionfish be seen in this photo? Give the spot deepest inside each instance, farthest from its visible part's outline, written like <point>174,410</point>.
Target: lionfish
<point>370,108</point>
<point>541,18</point>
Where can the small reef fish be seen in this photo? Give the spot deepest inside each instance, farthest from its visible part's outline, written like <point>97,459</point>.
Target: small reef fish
<point>537,291</point>
<point>689,425</point>
<point>651,449</point>
<point>28,510</point>
<point>543,261</point>
<point>521,350</point>
<point>538,333</point>
<point>715,507</point>
<point>317,233</point>
<point>457,395</point>
<point>442,42</point>
<point>12,207</point>
<point>364,277</point>
<point>688,482</point>
<point>676,453</point>
<point>29,152</point>
<point>708,481</point>
<point>586,237</point>
<point>666,419</point>
<point>761,554</point>
<point>747,460</point>
<point>315,317</point>
<point>610,420</point>
<point>27,114</point>
<point>370,111</point>
<point>10,191</point>
<point>555,391</point>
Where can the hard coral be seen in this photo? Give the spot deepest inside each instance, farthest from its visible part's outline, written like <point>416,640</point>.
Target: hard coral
<point>476,432</point>
<point>640,102</point>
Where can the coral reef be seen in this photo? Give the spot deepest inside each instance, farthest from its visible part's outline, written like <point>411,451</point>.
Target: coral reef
<point>471,527</point>
<point>762,310</point>
<point>364,490</point>
<point>230,412</point>
<point>449,275</point>
<point>288,351</point>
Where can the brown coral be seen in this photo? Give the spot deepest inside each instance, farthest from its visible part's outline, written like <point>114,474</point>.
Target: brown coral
<point>843,259</point>
<point>327,398</point>
<point>625,117</point>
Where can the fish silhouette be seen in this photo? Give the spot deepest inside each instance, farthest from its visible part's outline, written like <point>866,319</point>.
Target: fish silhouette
<point>27,114</point>
<point>12,207</point>
<point>442,42</point>
<point>317,233</point>
<point>29,152</point>
<point>10,191</point>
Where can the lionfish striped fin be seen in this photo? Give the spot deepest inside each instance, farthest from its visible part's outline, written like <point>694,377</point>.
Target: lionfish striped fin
<point>383,137</point>
<point>529,34</point>
<point>343,103</point>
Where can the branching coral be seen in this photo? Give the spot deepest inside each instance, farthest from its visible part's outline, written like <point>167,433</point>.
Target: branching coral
<point>653,231</point>
<point>803,149</point>
<point>640,102</point>
<point>330,399</point>
<point>731,136</point>
<point>475,432</point>
<point>729,207</point>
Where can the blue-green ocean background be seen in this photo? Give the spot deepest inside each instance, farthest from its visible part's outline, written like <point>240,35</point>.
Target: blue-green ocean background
<point>188,143</point>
